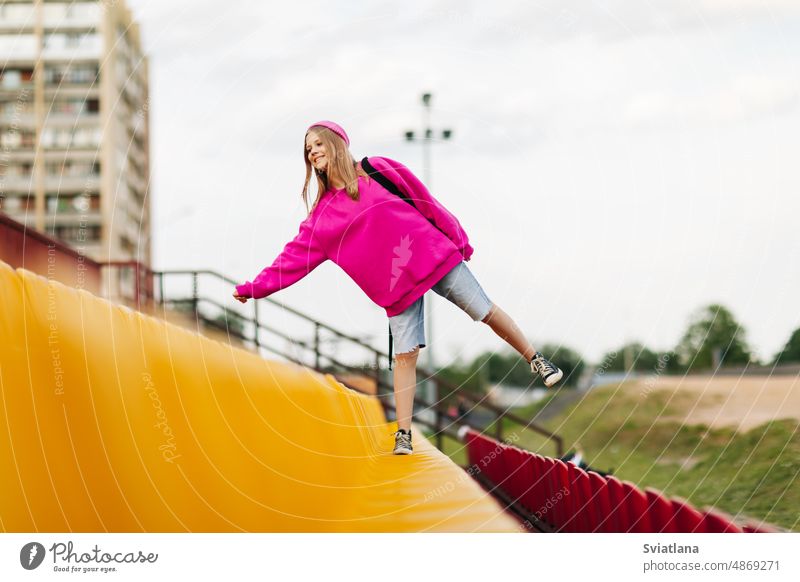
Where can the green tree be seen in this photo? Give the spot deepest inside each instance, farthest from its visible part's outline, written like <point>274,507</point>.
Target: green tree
<point>508,367</point>
<point>640,358</point>
<point>791,351</point>
<point>671,363</point>
<point>713,338</point>
<point>466,376</point>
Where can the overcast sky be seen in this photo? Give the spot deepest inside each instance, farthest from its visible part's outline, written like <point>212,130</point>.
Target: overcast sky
<point>616,164</point>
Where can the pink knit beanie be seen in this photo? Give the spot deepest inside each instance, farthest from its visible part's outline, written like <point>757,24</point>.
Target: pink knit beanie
<point>335,128</point>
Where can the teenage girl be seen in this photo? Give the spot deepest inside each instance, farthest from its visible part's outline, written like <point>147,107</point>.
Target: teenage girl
<point>393,250</point>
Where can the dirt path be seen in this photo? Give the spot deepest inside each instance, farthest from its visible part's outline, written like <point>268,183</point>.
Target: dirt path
<point>732,401</point>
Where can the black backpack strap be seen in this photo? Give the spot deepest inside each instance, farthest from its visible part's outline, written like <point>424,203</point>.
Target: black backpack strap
<point>384,181</point>
<point>392,187</point>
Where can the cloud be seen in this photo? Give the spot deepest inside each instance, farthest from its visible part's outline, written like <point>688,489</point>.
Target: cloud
<point>745,98</point>
<point>556,21</point>
<point>548,102</point>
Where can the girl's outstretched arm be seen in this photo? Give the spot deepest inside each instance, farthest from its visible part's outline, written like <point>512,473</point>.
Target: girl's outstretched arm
<point>431,208</point>
<point>298,258</point>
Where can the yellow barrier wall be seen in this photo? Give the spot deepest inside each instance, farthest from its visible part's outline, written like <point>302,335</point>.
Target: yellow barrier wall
<point>115,421</point>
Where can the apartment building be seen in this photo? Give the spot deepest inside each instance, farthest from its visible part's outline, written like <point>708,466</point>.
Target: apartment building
<point>74,137</point>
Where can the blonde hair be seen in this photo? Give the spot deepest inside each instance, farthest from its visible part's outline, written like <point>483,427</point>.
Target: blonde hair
<point>341,165</point>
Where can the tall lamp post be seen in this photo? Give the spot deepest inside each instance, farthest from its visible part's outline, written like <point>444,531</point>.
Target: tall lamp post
<point>425,137</point>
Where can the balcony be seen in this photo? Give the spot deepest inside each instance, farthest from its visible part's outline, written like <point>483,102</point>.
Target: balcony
<point>15,82</point>
<point>72,16</point>
<point>87,219</point>
<point>71,90</point>
<point>18,120</point>
<point>17,183</point>
<point>70,120</point>
<point>70,47</point>
<point>65,183</point>
<point>18,47</point>
<point>17,18</point>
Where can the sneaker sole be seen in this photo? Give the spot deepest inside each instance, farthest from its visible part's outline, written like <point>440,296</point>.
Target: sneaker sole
<point>403,452</point>
<point>553,378</point>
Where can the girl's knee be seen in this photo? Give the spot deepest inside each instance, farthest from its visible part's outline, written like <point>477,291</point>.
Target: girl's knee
<point>407,358</point>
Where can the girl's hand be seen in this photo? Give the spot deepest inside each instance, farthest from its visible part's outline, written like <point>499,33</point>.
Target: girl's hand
<point>239,297</point>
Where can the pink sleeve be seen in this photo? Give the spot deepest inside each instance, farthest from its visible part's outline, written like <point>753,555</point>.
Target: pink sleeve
<point>298,258</point>
<point>431,208</point>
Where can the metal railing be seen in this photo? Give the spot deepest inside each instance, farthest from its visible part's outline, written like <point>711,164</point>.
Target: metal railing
<point>144,289</point>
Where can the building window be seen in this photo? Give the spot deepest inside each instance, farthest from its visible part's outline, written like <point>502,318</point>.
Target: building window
<point>71,74</point>
<point>13,78</point>
<point>75,234</point>
<point>17,203</point>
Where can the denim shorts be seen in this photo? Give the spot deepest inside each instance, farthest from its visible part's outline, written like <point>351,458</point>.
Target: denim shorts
<point>458,286</point>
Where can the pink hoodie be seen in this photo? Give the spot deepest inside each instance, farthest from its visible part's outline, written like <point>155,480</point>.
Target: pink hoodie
<point>389,248</point>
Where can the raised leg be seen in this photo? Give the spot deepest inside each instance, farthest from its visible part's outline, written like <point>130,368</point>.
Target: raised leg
<point>505,328</point>
<point>405,384</point>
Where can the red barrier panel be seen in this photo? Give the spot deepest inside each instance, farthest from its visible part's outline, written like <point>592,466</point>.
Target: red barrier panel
<point>636,502</point>
<point>538,489</point>
<point>489,457</point>
<point>619,509</point>
<point>527,480</point>
<point>716,521</point>
<point>602,502</point>
<point>549,488</point>
<point>570,499</point>
<point>518,481</point>
<point>661,511</point>
<point>581,487</point>
<point>471,438</point>
<point>687,518</point>
<point>495,467</point>
<point>482,448</point>
<point>758,527</point>
<point>559,501</point>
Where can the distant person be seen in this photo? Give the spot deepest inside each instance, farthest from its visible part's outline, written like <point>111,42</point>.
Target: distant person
<point>576,457</point>
<point>463,408</point>
<point>380,224</point>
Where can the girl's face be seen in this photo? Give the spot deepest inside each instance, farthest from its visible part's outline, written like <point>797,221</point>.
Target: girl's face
<point>316,152</point>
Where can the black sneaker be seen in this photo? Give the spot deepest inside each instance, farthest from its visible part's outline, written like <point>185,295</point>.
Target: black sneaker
<point>549,372</point>
<point>402,443</point>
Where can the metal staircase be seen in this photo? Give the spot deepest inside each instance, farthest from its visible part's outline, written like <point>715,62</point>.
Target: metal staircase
<point>325,348</point>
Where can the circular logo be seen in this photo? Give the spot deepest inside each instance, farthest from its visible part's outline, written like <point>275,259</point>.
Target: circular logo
<point>31,555</point>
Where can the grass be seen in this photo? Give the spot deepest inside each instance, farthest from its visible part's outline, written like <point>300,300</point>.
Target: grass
<point>753,473</point>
